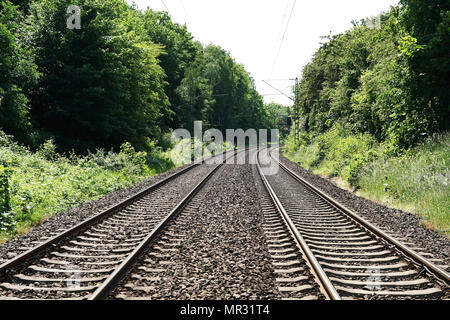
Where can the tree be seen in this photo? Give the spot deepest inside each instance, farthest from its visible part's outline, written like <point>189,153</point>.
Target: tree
<point>277,118</point>
<point>428,22</point>
<point>180,50</point>
<point>23,5</point>
<point>369,80</point>
<point>220,92</point>
<point>18,72</point>
<point>102,84</point>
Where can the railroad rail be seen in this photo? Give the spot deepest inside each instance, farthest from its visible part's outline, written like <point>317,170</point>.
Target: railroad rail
<point>143,275</point>
<point>297,277</point>
<point>85,261</point>
<point>359,260</point>
<point>289,250</point>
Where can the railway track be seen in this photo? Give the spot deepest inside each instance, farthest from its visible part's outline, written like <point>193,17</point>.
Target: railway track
<point>147,278</point>
<point>84,261</point>
<point>296,277</point>
<point>359,260</point>
<point>159,275</point>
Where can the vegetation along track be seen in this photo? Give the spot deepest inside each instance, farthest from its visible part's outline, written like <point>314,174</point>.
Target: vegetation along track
<point>79,261</point>
<point>358,258</point>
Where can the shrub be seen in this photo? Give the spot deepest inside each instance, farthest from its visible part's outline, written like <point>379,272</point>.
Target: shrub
<point>6,220</point>
<point>48,150</point>
<point>338,153</point>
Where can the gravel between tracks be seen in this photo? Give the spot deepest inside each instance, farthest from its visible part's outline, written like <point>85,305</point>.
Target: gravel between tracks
<point>224,253</point>
<point>69,218</point>
<point>392,221</point>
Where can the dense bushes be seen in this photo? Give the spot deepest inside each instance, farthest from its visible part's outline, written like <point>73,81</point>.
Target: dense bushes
<point>428,23</point>
<point>417,181</point>
<point>336,153</point>
<point>6,220</point>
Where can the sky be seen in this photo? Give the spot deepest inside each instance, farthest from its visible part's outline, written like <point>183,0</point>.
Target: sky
<point>252,31</point>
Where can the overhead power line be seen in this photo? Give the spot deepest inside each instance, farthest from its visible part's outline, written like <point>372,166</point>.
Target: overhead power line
<point>185,12</point>
<point>281,92</point>
<point>291,79</point>
<point>282,39</point>
<point>283,21</point>
<point>168,11</point>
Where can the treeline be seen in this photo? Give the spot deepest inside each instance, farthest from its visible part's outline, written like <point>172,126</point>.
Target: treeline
<point>126,75</point>
<point>390,80</point>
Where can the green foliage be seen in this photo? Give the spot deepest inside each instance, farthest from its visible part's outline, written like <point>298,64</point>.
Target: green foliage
<point>17,71</point>
<point>6,221</point>
<point>179,51</point>
<point>337,153</point>
<point>277,117</point>
<point>219,92</point>
<point>22,4</point>
<point>423,170</point>
<point>36,185</point>
<point>48,150</point>
<point>102,84</point>
<point>428,26</point>
<point>381,81</point>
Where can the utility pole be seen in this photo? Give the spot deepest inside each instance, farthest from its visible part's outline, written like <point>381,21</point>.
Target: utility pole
<point>296,112</point>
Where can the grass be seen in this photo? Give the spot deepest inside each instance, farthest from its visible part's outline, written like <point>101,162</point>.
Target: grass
<point>37,185</point>
<point>417,181</point>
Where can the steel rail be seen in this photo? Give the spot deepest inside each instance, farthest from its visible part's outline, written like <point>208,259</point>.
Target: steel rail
<point>329,288</point>
<point>41,248</point>
<point>109,284</point>
<point>430,266</point>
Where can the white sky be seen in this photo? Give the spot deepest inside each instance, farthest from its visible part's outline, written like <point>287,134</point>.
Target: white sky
<point>251,30</point>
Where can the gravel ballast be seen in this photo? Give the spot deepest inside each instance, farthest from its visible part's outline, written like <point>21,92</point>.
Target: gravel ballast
<point>220,250</point>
